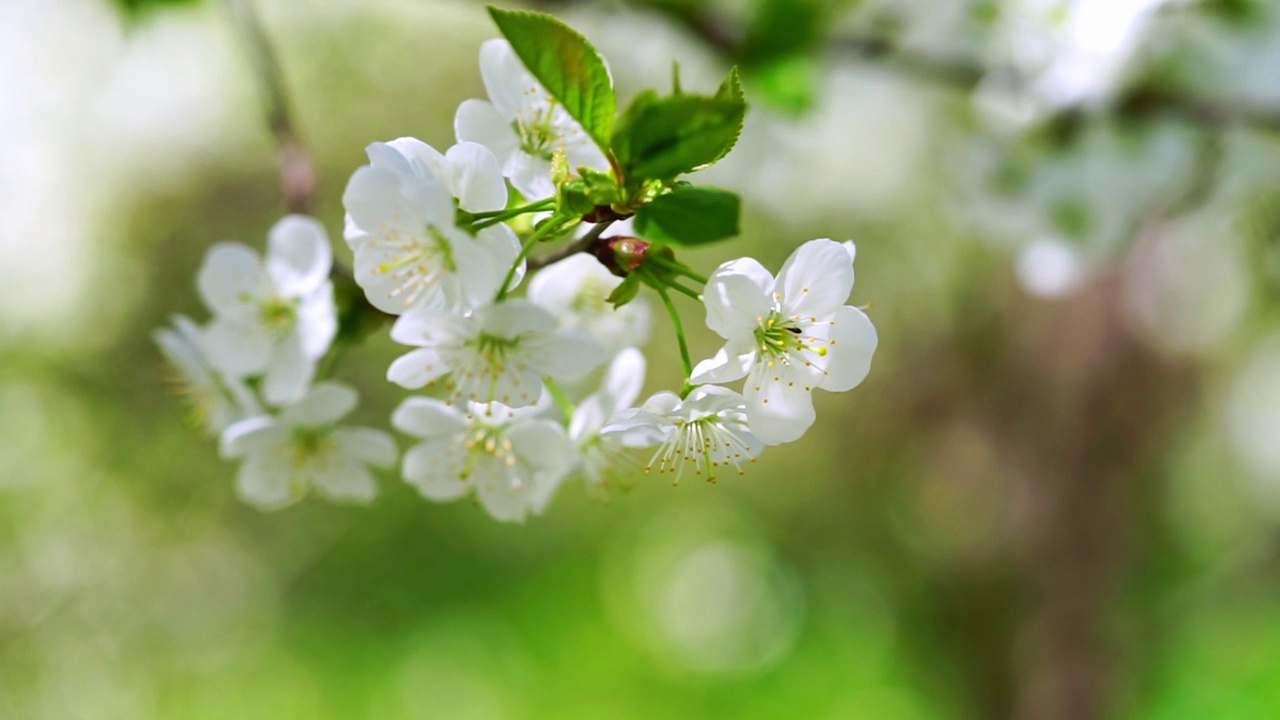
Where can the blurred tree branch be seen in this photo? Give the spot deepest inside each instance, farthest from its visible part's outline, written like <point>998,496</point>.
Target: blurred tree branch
<point>729,38</point>
<point>297,170</point>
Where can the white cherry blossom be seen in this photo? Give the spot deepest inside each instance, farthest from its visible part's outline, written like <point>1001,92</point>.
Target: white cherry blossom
<point>272,317</point>
<point>302,449</point>
<point>497,353</point>
<point>707,430</point>
<point>522,124</point>
<point>402,226</point>
<point>788,336</point>
<point>599,456</point>
<point>216,400</point>
<point>512,460</point>
<point>574,290</point>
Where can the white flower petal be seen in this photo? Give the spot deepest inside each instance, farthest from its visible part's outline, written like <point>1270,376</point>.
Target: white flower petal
<point>502,492</point>
<point>502,246</point>
<point>428,418</point>
<point>266,481</point>
<point>426,327</point>
<point>423,160</point>
<point>624,380</point>
<point>298,255</point>
<point>506,79</point>
<point>476,178</point>
<point>435,467</point>
<point>816,279</point>
<point>513,318</point>
<point>565,355</point>
<point>779,410</point>
<point>737,295</point>
<point>237,347</point>
<point>231,278</point>
<point>343,479</point>
<point>543,446</point>
<point>417,368</point>
<point>251,436</point>
<point>530,175</point>
<point>373,203</point>
<point>849,358</point>
<point>324,404</point>
<point>368,445</point>
<point>317,321</point>
<point>480,268</point>
<point>480,122</point>
<point>289,372</point>
<point>731,362</point>
<point>635,428</point>
<point>588,418</point>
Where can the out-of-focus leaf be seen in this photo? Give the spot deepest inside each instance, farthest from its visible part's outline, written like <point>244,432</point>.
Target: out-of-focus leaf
<point>566,65</point>
<point>136,9</point>
<point>778,52</point>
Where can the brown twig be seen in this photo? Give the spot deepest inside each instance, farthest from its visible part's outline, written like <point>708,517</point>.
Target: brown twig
<point>577,246</point>
<point>297,171</point>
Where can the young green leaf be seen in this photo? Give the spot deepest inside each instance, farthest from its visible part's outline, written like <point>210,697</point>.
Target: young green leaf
<point>660,138</point>
<point>731,88</point>
<point>692,216</point>
<point>566,65</point>
<point>625,292</point>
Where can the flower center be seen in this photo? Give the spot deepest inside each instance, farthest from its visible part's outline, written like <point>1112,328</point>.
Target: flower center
<point>485,443</point>
<point>278,314</point>
<point>777,337</point>
<point>493,348</point>
<point>537,132</point>
<point>705,443</point>
<point>590,298</point>
<point>309,444</point>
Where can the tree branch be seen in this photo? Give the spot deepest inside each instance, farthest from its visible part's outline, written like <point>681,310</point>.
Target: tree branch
<point>297,171</point>
<point>726,37</point>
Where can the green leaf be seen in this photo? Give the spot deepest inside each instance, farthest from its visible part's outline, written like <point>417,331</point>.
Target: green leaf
<point>572,199</point>
<point>789,85</point>
<point>625,292</point>
<point>566,65</point>
<point>600,186</point>
<point>660,138</point>
<point>731,88</point>
<point>782,29</point>
<point>691,216</point>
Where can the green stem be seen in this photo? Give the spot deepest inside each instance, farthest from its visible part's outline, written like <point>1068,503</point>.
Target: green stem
<point>329,362</point>
<point>684,345</point>
<point>561,399</point>
<point>685,291</point>
<point>489,219</point>
<point>546,229</point>
<point>678,268</point>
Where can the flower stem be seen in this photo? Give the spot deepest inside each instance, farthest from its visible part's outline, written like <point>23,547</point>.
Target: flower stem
<point>561,399</point>
<point>537,236</point>
<point>684,345</point>
<point>489,219</point>
<point>677,268</point>
<point>685,291</point>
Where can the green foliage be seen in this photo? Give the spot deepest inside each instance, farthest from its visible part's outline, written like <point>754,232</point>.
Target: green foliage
<point>134,10</point>
<point>690,216</point>
<point>778,51</point>
<point>626,291</point>
<point>660,138</point>
<point>566,65</point>
<point>601,187</point>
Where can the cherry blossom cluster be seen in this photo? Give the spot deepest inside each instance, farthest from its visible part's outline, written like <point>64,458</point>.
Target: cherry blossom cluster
<point>526,368</point>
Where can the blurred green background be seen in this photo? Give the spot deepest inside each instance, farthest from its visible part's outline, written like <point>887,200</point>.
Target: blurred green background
<point>1056,496</point>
